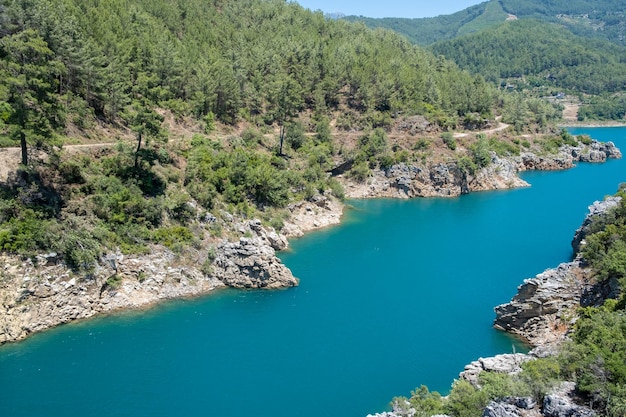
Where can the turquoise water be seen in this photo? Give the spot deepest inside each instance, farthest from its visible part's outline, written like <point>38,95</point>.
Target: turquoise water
<point>401,294</point>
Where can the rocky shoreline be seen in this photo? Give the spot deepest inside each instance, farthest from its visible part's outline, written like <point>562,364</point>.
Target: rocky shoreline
<point>39,294</point>
<point>450,180</point>
<point>541,313</point>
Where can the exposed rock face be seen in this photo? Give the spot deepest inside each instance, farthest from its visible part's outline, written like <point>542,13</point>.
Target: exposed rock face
<point>558,406</point>
<point>449,180</point>
<point>37,296</point>
<point>541,311</point>
<point>568,155</point>
<point>502,409</point>
<point>597,210</point>
<point>248,264</point>
<point>322,211</point>
<point>559,403</point>
<point>509,363</point>
<point>437,180</point>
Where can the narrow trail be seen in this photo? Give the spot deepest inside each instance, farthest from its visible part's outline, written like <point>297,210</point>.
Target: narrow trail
<point>501,126</point>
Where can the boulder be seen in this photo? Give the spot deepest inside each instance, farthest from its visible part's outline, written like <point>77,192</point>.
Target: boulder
<point>498,409</point>
<point>508,363</point>
<point>250,263</point>
<point>563,406</point>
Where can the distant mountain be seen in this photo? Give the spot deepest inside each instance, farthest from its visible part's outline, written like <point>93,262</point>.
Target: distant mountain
<point>542,54</point>
<point>605,19</point>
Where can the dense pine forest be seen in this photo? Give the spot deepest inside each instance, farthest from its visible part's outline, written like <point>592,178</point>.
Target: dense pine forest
<point>262,61</point>
<point>549,55</point>
<point>597,19</point>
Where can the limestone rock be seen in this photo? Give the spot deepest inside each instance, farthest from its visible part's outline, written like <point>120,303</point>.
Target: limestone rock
<point>268,235</point>
<point>559,406</point>
<point>509,363</point>
<point>37,296</point>
<point>512,407</point>
<point>498,409</point>
<point>597,209</point>
<point>321,211</point>
<point>251,264</point>
<point>447,179</point>
<point>541,310</point>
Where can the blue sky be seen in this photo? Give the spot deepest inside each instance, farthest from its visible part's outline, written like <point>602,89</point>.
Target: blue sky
<point>389,8</point>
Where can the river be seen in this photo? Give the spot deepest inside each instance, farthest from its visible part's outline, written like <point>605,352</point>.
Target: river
<point>401,294</point>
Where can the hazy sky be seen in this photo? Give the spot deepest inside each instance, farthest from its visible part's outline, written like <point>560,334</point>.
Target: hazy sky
<point>389,8</point>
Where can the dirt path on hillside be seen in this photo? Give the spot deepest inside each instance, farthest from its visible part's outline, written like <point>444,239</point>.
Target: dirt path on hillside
<point>501,126</point>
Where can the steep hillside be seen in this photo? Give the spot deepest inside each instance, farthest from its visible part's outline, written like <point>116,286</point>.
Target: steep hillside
<point>545,54</point>
<point>263,61</point>
<point>601,19</point>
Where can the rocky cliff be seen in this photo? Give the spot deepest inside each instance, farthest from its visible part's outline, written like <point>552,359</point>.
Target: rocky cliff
<point>38,294</point>
<point>542,311</point>
<point>448,179</point>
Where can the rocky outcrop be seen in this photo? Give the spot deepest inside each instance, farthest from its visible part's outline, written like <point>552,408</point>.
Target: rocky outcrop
<point>321,211</point>
<point>511,407</point>
<point>248,264</point>
<point>37,295</point>
<point>448,179</point>
<point>509,363</point>
<point>568,155</point>
<point>598,210</point>
<point>559,402</point>
<point>542,310</point>
<point>436,180</point>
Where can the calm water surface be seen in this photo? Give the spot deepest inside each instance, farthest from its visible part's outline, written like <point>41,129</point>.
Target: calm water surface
<point>401,294</point>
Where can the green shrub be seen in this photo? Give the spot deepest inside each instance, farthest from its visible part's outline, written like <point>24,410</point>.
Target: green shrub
<point>27,233</point>
<point>251,137</point>
<point>386,161</point>
<point>421,144</point>
<point>360,172</point>
<point>425,402</point>
<point>480,152</point>
<point>114,282</point>
<point>294,135</point>
<point>322,130</point>
<point>448,140</point>
<point>466,165</point>
<point>540,375</point>
<point>465,400</point>
<point>503,148</point>
<point>336,188</point>
<point>374,143</point>
<point>173,237</point>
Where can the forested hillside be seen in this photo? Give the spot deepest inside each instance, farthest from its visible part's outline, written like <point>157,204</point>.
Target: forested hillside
<point>259,87</point>
<point>265,60</point>
<point>601,19</point>
<point>544,54</point>
<point>425,31</point>
<point>571,47</point>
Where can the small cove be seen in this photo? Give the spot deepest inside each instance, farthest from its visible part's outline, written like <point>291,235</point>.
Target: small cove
<point>401,294</point>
